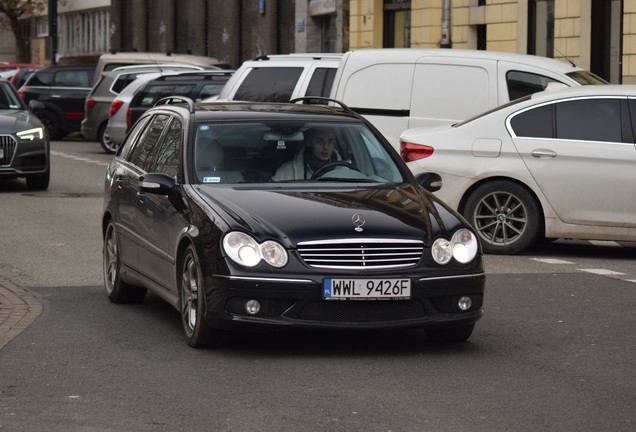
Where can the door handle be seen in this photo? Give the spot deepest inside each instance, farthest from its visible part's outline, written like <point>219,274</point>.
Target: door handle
<point>543,153</point>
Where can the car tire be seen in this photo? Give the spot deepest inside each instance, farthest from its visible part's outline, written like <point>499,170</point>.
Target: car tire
<point>505,215</point>
<point>117,290</point>
<point>39,182</point>
<point>107,144</point>
<point>450,334</point>
<point>199,334</point>
<point>52,123</point>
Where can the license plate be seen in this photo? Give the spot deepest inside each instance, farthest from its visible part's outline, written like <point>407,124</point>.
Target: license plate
<point>366,289</point>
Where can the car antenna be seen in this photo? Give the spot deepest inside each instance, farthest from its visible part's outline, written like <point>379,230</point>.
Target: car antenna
<point>564,56</point>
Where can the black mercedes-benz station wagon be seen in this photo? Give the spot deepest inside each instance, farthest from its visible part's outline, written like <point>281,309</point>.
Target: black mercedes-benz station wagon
<point>250,217</point>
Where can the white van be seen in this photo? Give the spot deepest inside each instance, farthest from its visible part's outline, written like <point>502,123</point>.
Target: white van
<point>399,89</point>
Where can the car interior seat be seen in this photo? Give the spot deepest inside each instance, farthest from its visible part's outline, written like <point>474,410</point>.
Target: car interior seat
<point>209,156</point>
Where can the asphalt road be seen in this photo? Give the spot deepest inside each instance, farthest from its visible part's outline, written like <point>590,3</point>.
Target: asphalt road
<point>554,351</point>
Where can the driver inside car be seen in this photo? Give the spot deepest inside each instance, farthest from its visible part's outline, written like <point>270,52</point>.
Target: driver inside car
<point>316,153</point>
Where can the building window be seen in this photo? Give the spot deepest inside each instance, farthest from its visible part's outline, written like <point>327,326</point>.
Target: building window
<point>541,27</point>
<point>397,24</point>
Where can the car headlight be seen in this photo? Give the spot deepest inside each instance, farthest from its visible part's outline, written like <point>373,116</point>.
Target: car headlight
<point>31,134</point>
<point>244,250</point>
<point>462,246</point>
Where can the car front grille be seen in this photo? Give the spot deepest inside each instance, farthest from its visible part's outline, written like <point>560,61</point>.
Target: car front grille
<point>362,311</point>
<point>361,253</point>
<point>7,145</point>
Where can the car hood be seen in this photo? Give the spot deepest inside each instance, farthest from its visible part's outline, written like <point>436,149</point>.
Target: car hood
<point>12,121</point>
<point>295,215</point>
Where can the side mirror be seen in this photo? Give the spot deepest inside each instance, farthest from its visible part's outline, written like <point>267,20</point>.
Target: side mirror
<point>432,182</point>
<point>156,183</point>
<point>36,105</point>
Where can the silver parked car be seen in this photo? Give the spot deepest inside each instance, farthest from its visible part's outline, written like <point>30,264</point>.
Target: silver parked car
<point>109,85</point>
<point>557,164</point>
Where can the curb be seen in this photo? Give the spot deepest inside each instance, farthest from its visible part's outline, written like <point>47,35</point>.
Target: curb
<point>18,309</point>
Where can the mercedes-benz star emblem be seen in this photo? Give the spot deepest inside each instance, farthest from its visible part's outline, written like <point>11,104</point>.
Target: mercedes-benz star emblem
<point>358,221</point>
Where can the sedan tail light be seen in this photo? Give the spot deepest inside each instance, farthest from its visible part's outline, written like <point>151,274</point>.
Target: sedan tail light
<point>412,152</point>
<point>114,107</point>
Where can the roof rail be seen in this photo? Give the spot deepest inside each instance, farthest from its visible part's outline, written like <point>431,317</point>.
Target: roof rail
<point>170,100</point>
<point>308,99</point>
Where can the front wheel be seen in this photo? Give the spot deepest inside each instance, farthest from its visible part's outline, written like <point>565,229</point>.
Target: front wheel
<point>505,215</point>
<point>38,182</point>
<point>198,332</point>
<point>117,290</point>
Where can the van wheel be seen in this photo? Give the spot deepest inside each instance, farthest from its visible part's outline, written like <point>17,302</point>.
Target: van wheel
<point>505,215</point>
<point>107,144</point>
<point>52,123</point>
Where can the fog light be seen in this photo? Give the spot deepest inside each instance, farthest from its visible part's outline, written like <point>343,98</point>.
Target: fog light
<point>464,303</point>
<point>252,307</point>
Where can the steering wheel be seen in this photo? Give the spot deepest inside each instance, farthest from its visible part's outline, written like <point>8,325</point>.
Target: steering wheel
<point>329,167</point>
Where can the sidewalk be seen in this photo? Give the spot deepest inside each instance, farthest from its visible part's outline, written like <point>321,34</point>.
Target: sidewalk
<point>18,309</point>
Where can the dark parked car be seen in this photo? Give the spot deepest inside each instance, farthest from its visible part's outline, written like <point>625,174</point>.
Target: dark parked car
<point>191,212</point>
<point>24,144</point>
<point>62,89</point>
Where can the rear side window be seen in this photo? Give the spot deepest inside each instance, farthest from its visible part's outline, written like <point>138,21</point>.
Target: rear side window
<point>122,81</point>
<point>271,84</point>
<point>321,82</point>
<point>43,78</point>
<point>521,84</point>
<point>535,123</point>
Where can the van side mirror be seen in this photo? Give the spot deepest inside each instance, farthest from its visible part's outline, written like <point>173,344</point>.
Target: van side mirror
<point>432,182</point>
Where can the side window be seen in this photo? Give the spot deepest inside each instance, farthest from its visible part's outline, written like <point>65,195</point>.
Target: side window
<point>148,96</point>
<point>168,151</point>
<point>589,120</point>
<point>210,89</point>
<point>132,138</point>
<point>141,154</point>
<point>72,78</point>
<point>524,83</point>
<point>44,78</point>
<point>271,84</point>
<point>321,82</point>
<point>534,123</point>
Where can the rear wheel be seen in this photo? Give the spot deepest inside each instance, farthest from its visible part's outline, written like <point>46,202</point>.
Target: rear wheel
<point>117,290</point>
<point>198,332</point>
<point>107,144</point>
<point>505,215</point>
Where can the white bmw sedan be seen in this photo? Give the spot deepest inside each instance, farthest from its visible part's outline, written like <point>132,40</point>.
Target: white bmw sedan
<point>556,164</point>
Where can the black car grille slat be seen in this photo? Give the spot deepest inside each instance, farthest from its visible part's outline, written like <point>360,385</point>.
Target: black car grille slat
<point>7,144</point>
<point>361,254</point>
<point>361,311</point>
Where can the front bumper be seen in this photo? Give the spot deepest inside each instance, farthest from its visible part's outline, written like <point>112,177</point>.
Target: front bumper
<point>23,158</point>
<point>297,303</point>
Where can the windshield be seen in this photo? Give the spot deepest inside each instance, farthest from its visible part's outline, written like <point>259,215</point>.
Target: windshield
<point>9,99</point>
<point>586,78</point>
<point>291,151</point>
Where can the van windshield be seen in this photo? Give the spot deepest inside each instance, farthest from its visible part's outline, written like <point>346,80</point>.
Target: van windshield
<point>586,78</point>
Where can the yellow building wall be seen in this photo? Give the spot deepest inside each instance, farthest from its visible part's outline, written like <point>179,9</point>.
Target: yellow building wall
<point>629,42</point>
<point>507,27</point>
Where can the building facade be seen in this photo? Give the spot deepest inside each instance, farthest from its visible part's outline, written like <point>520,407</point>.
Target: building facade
<point>599,35</point>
